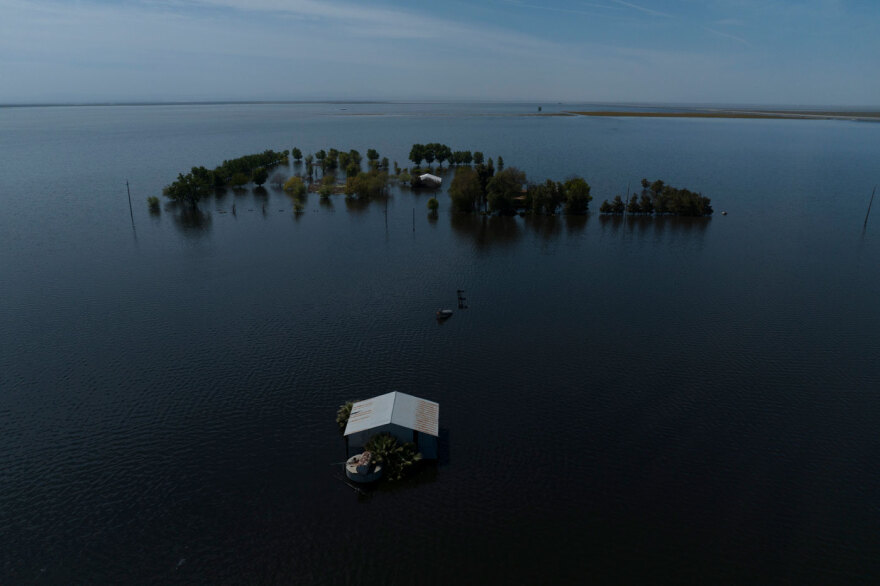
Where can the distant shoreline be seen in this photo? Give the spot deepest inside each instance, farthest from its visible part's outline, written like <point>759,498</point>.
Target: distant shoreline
<point>805,115</point>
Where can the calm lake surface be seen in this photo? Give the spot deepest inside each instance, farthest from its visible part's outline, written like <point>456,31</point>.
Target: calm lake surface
<point>650,400</point>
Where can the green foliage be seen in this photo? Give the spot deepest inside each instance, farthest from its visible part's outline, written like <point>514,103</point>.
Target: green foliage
<point>246,166</point>
<point>189,188</point>
<point>325,191</point>
<point>500,163</point>
<point>404,177</point>
<point>478,158</point>
<point>295,186</point>
<point>260,175</point>
<point>417,153</point>
<point>438,151</point>
<point>153,204</point>
<point>433,204</point>
<point>342,415</point>
<point>384,164</point>
<point>352,169</point>
<point>367,185</point>
<point>465,191</point>
<point>577,196</point>
<point>238,179</point>
<point>661,199</point>
<point>396,458</point>
<point>372,154</point>
<point>461,158</point>
<point>545,198</point>
<point>633,206</point>
<point>297,154</point>
<point>503,188</point>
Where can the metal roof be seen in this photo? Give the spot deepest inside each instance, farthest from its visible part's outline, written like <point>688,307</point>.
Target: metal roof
<point>432,178</point>
<point>397,408</point>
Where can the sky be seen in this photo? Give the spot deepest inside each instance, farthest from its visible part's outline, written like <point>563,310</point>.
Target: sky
<point>781,52</point>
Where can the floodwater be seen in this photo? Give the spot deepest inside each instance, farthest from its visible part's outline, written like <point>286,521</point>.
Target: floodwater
<point>630,400</point>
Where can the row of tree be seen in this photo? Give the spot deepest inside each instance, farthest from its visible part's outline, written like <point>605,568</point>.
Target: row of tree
<point>350,162</point>
<point>200,181</point>
<point>440,152</point>
<point>661,199</point>
<point>508,191</point>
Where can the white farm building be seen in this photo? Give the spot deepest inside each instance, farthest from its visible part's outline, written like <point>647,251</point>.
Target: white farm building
<point>408,418</point>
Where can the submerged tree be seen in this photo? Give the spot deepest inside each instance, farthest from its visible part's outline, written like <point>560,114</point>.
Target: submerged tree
<point>503,188</point>
<point>189,188</point>
<point>260,175</point>
<point>465,191</point>
<point>295,186</point>
<point>577,196</point>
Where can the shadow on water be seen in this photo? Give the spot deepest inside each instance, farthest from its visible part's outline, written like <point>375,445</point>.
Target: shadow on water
<point>485,231</point>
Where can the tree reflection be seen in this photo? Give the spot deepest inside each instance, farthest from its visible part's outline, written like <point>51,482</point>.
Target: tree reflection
<point>575,224</point>
<point>485,231</point>
<point>546,227</point>
<point>192,221</point>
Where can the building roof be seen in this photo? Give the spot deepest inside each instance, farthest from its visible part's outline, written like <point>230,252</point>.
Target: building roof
<point>397,408</point>
<point>432,178</point>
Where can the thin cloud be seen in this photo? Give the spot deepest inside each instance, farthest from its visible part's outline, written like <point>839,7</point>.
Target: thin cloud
<point>728,36</point>
<point>563,10</point>
<point>642,9</point>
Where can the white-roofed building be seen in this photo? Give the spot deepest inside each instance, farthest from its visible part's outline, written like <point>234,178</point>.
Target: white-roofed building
<point>430,179</point>
<point>408,418</point>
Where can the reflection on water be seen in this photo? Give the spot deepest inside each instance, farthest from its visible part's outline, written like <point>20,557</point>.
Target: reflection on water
<point>192,222</point>
<point>655,224</point>
<point>546,227</point>
<point>326,203</point>
<point>575,224</point>
<point>485,231</point>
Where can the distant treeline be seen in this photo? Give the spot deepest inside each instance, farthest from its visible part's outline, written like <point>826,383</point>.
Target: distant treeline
<point>660,199</point>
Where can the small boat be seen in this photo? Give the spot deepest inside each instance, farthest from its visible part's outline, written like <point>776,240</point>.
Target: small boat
<point>444,313</point>
<point>362,468</point>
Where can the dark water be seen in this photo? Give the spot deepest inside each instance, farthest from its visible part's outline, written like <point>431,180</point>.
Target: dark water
<point>644,401</point>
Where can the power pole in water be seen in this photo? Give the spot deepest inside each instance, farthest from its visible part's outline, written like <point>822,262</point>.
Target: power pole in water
<point>869,206</point>
<point>130,211</point>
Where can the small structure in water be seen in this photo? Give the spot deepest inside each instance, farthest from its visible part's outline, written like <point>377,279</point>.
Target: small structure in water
<point>407,418</point>
<point>362,468</point>
<point>429,180</point>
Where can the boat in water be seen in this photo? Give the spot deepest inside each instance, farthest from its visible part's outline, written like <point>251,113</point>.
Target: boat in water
<point>444,313</point>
